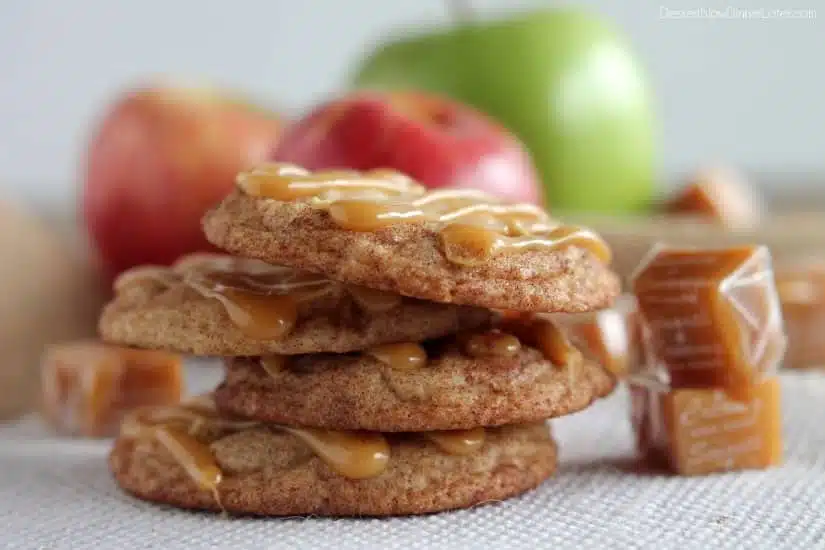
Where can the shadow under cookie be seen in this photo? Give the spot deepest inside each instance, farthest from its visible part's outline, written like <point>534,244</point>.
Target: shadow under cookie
<point>448,390</point>
<point>221,305</point>
<point>264,470</point>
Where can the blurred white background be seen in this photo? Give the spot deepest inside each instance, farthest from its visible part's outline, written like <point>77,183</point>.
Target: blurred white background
<point>748,92</point>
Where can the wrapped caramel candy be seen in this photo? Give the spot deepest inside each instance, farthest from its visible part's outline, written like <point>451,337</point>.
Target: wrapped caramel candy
<point>701,431</point>
<point>801,288</point>
<point>722,196</point>
<point>611,336</point>
<point>89,386</point>
<point>710,318</point>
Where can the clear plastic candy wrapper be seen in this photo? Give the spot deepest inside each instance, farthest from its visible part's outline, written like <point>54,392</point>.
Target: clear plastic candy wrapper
<point>88,387</point>
<point>696,431</point>
<point>710,318</point>
<point>801,288</point>
<point>610,336</point>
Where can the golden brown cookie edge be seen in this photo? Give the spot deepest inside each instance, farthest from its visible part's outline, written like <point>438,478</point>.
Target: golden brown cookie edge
<point>202,327</point>
<point>239,226</point>
<point>359,396</point>
<point>504,481</point>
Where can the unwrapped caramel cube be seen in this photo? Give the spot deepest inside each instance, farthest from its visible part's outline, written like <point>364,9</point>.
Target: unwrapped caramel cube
<point>722,196</point>
<point>89,386</point>
<point>710,318</point>
<point>610,337</point>
<point>701,431</point>
<point>801,288</point>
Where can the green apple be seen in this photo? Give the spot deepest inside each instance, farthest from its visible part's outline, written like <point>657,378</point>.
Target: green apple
<point>417,62</point>
<point>565,81</point>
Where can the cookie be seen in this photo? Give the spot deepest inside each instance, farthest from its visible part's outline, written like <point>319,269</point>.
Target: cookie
<point>383,231</point>
<point>246,468</point>
<point>482,379</point>
<point>221,305</point>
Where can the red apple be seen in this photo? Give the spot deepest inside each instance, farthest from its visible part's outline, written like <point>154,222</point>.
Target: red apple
<point>161,157</point>
<point>435,140</point>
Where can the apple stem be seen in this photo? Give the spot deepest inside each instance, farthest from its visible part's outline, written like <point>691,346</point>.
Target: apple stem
<point>461,11</point>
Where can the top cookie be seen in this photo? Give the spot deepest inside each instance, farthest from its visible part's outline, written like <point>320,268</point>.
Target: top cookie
<point>382,230</point>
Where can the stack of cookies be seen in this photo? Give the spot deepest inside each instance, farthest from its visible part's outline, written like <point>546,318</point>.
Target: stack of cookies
<point>381,350</point>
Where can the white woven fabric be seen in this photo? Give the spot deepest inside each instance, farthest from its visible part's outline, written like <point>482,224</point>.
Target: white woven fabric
<point>58,494</point>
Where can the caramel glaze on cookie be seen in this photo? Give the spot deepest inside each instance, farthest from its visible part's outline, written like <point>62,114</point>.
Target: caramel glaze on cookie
<point>191,457</point>
<point>518,373</point>
<point>381,230</point>
<point>221,305</point>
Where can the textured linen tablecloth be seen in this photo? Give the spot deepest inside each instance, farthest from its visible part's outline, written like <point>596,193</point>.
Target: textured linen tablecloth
<point>57,493</point>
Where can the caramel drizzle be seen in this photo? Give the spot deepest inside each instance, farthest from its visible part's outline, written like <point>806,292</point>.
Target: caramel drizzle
<point>473,225</point>
<point>553,342</point>
<point>355,455</point>
<point>259,317</point>
<point>540,333</point>
<point>352,454</point>
<point>508,339</point>
<point>274,364</point>
<point>177,428</point>
<point>458,442</point>
<point>492,343</point>
<point>288,182</point>
<point>193,417</point>
<point>405,356</point>
<point>262,300</point>
<point>192,455</point>
<point>544,334</point>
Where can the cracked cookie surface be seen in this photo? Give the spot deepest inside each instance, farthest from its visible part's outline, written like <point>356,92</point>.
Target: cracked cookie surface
<point>448,390</point>
<point>408,259</point>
